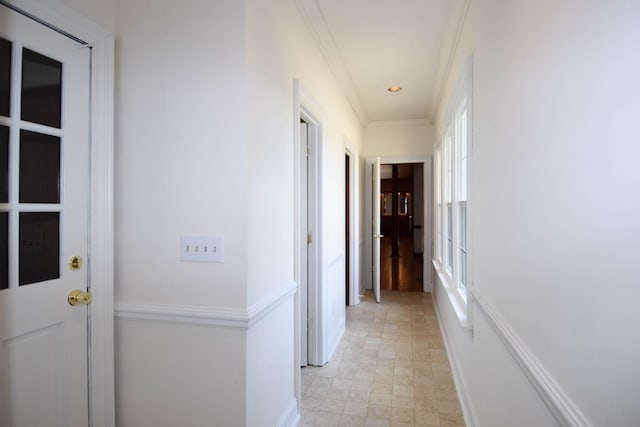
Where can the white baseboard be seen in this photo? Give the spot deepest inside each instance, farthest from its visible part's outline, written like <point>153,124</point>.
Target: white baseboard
<point>334,341</point>
<point>291,417</point>
<point>461,387</point>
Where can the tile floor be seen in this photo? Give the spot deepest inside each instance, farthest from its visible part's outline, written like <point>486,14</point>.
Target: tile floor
<point>390,369</point>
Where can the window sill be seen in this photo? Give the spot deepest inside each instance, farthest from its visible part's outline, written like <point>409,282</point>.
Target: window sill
<point>459,305</point>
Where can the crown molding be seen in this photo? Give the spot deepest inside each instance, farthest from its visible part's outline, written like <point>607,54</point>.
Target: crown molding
<point>447,57</point>
<point>325,41</point>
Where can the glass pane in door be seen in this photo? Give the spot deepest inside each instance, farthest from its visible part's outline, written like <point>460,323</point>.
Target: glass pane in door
<point>4,250</point>
<point>5,76</point>
<point>4,164</point>
<point>39,247</point>
<point>39,168</point>
<point>41,89</point>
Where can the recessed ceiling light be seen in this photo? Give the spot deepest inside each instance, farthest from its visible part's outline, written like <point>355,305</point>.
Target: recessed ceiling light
<point>394,89</point>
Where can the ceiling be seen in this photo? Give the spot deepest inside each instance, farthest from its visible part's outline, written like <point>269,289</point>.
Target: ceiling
<point>372,45</point>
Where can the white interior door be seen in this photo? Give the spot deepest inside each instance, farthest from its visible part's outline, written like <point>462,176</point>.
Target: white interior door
<point>304,244</point>
<point>375,222</point>
<point>44,152</point>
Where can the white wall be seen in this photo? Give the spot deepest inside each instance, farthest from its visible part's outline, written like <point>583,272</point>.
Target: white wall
<point>204,146</point>
<point>393,140</point>
<point>280,49</point>
<point>398,138</point>
<point>102,12</point>
<point>180,150</point>
<point>555,147</point>
<point>180,169</point>
<point>171,374</point>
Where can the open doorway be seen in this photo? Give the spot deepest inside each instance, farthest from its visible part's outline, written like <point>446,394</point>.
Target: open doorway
<point>401,219</point>
<point>347,228</point>
<point>422,233</point>
<point>309,340</point>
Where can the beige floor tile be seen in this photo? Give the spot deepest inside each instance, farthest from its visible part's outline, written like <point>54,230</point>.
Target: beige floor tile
<point>334,406</point>
<point>427,418</point>
<point>376,422</point>
<point>404,380</point>
<point>327,419</point>
<point>401,371</point>
<point>402,415</point>
<point>448,406</point>
<point>379,412</point>
<point>356,408</point>
<point>349,420</point>
<point>383,369</point>
<point>390,370</point>
<point>341,383</point>
<point>402,402</point>
<point>403,390</point>
<point>380,399</point>
<point>359,396</point>
<point>317,392</point>
<point>449,420</point>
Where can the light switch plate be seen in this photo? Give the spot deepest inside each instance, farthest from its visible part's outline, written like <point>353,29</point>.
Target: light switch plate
<point>201,249</point>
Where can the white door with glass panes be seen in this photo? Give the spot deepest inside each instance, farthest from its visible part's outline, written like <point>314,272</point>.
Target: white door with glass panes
<point>44,195</point>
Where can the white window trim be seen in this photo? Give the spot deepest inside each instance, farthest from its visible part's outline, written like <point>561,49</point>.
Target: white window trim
<point>438,220</point>
<point>460,298</point>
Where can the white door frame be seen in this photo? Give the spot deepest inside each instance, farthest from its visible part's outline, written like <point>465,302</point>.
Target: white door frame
<point>101,347</point>
<point>306,108</point>
<point>427,276</point>
<point>376,227</point>
<point>354,225</point>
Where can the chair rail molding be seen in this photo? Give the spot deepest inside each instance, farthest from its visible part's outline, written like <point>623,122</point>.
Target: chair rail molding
<point>225,317</point>
<point>563,409</point>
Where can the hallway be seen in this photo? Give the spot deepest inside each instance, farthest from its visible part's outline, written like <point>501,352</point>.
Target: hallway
<point>390,369</point>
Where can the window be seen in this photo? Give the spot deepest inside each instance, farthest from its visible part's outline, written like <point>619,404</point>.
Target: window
<point>452,199</point>
<point>461,198</point>
<point>438,204</point>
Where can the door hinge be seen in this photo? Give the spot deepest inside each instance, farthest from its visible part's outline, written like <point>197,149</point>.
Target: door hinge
<point>309,238</point>
<point>308,150</point>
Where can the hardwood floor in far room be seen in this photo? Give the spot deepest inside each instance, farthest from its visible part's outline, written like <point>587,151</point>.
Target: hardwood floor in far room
<point>403,273</point>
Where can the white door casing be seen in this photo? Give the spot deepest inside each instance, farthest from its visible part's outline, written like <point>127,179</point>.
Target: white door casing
<point>311,221</point>
<point>375,227</point>
<point>43,359</point>
<point>303,283</point>
<point>427,213</point>
<point>312,241</point>
<point>354,221</point>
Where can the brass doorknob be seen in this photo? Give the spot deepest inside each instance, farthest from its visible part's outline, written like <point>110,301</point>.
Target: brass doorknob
<point>77,297</point>
<point>75,262</point>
